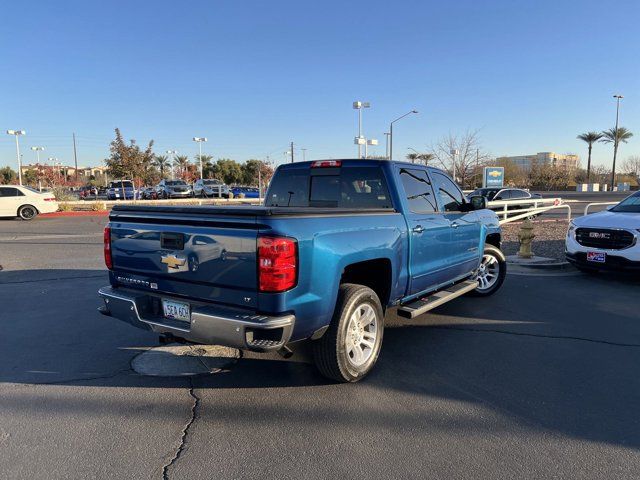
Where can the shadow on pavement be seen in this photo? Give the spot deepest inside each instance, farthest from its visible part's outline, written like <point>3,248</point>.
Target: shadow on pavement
<point>549,379</point>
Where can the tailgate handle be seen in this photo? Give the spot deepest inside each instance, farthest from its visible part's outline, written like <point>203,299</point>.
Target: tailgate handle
<point>172,241</point>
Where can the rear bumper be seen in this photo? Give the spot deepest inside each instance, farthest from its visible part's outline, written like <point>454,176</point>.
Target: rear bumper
<point>210,325</point>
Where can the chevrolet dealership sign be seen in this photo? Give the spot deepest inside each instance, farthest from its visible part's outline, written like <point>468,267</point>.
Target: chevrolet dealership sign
<point>493,177</point>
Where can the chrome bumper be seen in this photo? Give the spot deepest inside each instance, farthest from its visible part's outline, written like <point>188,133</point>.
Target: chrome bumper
<point>210,325</point>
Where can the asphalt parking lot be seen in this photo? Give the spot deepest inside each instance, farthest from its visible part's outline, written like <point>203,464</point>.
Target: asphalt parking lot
<point>540,380</point>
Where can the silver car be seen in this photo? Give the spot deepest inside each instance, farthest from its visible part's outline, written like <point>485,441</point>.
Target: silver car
<point>174,189</point>
<point>210,187</point>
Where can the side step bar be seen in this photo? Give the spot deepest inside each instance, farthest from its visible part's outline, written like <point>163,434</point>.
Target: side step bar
<point>424,304</point>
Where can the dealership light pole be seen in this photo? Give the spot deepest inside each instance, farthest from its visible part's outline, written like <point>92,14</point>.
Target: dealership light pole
<point>17,133</point>
<point>37,150</point>
<point>199,140</point>
<point>357,105</point>
<point>173,154</point>
<point>386,145</point>
<point>391,132</point>
<point>615,140</point>
<point>370,142</point>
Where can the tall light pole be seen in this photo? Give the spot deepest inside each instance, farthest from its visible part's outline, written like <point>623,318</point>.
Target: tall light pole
<point>370,142</point>
<point>391,132</point>
<point>357,105</point>
<point>17,133</point>
<point>173,154</point>
<point>453,153</point>
<point>386,145</point>
<point>199,140</point>
<point>615,140</point>
<point>37,150</point>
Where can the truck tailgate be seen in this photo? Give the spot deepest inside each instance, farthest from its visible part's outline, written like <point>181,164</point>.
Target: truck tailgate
<point>209,258</point>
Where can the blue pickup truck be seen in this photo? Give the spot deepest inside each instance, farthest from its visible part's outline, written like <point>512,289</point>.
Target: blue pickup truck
<point>336,246</point>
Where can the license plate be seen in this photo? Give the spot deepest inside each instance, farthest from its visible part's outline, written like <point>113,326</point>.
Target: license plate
<point>176,310</point>
<point>598,257</point>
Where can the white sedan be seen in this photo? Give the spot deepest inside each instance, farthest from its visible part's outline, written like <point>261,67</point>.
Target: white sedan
<point>25,202</point>
<point>607,240</point>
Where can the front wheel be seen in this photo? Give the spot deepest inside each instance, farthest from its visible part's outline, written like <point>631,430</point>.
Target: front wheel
<point>350,347</point>
<point>491,272</point>
<point>27,212</point>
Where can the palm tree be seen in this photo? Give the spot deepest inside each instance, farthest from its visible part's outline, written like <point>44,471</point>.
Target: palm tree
<point>615,136</point>
<point>206,162</point>
<point>420,157</point>
<point>590,138</point>
<point>161,162</point>
<point>182,161</point>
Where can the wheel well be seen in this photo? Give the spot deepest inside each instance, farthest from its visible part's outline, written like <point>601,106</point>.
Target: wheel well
<point>375,274</point>
<point>494,239</point>
<point>27,205</point>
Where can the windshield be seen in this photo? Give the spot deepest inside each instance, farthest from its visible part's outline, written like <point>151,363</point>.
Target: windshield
<point>630,204</point>
<point>348,187</point>
<point>211,182</point>
<point>30,189</point>
<point>175,182</point>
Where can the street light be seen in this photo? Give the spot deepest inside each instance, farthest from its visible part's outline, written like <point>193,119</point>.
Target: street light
<point>615,140</point>
<point>199,140</point>
<point>173,160</point>
<point>37,150</point>
<point>357,105</point>
<point>391,132</point>
<point>17,133</point>
<point>370,142</point>
<point>453,153</point>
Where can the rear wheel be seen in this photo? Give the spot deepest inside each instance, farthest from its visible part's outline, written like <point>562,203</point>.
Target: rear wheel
<point>27,212</point>
<point>350,347</point>
<point>491,272</point>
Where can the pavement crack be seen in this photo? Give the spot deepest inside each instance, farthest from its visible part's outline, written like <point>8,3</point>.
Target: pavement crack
<point>538,335</point>
<point>184,434</point>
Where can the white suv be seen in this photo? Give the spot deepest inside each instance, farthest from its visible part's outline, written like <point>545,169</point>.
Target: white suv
<point>607,240</point>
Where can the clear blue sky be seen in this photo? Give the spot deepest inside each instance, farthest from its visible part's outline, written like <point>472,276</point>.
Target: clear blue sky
<point>253,75</point>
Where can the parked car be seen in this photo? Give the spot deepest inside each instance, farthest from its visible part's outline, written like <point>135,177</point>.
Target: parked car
<point>25,202</point>
<point>121,190</point>
<point>148,193</point>
<point>608,239</point>
<point>210,187</point>
<point>174,189</point>
<point>88,191</point>
<point>492,194</point>
<point>246,192</point>
<point>337,245</point>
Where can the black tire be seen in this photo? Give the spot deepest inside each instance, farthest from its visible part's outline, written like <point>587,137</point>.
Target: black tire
<point>27,212</point>
<point>501,264</point>
<point>331,356</point>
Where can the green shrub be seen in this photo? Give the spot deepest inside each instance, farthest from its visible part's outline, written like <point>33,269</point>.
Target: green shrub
<point>65,207</point>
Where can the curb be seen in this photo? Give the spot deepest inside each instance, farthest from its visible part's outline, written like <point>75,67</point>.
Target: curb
<point>543,266</point>
<point>75,214</point>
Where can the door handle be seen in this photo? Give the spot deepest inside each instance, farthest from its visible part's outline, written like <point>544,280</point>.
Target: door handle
<point>454,225</point>
<point>418,229</point>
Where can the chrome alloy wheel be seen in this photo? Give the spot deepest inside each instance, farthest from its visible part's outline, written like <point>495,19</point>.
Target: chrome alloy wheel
<point>487,272</point>
<point>361,335</point>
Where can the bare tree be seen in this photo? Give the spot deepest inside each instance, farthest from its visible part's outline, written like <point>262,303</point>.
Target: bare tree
<point>632,166</point>
<point>462,153</point>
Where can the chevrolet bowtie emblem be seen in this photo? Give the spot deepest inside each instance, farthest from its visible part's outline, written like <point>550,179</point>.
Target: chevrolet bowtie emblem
<point>173,261</point>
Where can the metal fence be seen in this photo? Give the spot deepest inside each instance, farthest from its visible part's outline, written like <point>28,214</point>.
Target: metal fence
<point>531,208</point>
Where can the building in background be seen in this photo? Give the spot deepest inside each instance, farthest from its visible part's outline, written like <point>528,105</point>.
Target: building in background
<point>567,161</point>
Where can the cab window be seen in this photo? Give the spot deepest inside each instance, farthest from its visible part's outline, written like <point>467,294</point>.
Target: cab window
<point>450,197</point>
<point>418,191</point>
<point>10,192</point>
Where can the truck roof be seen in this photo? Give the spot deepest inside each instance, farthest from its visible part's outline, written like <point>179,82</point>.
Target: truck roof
<point>353,161</point>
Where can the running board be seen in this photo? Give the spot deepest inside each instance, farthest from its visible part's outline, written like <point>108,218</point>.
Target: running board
<point>424,304</point>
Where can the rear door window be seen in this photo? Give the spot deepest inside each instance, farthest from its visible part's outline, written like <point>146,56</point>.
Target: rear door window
<point>418,191</point>
<point>10,192</point>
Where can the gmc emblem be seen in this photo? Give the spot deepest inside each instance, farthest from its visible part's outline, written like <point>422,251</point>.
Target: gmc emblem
<point>605,236</point>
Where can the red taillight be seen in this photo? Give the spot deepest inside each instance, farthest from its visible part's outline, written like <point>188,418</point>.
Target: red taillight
<point>52,199</point>
<point>326,163</point>
<point>107,248</point>
<point>277,264</point>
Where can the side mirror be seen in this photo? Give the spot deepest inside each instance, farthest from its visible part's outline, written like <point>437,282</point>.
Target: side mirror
<point>478,202</point>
